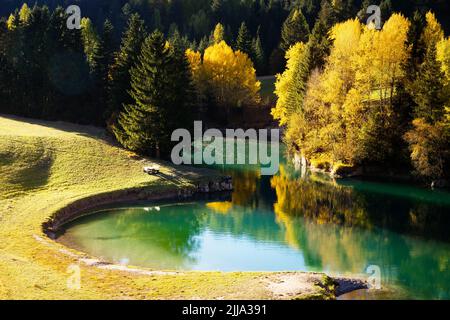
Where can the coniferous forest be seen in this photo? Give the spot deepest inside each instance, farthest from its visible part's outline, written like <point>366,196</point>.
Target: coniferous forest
<point>348,96</point>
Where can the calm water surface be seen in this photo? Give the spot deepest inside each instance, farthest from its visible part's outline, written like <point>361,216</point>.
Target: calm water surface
<point>291,221</point>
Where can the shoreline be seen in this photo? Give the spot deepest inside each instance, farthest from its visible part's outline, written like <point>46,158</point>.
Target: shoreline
<point>285,285</point>
<point>84,206</point>
<point>64,170</point>
<point>369,174</point>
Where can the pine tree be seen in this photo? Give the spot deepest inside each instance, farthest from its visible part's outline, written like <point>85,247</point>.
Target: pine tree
<point>310,56</point>
<point>107,45</point>
<point>295,29</point>
<point>417,45</point>
<point>297,90</point>
<point>177,40</point>
<point>203,44</point>
<point>35,52</point>
<point>103,58</point>
<point>7,84</point>
<point>429,89</point>
<point>427,86</point>
<point>259,55</point>
<point>68,71</point>
<point>319,45</point>
<point>386,9</point>
<point>244,41</point>
<point>404,101</point>
<point>125,59</point>
<point>91,40</point>
<point>160,99</point>
<point>217,7</point>
<point>326,15</point>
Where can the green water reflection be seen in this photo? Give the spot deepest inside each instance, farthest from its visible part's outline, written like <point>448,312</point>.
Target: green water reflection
<point>291,221</point>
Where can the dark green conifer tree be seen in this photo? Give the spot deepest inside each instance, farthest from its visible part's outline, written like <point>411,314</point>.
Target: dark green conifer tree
<point>319,45</point>
<point>125,59</point>
<point>103,57</point>
<point>203,44</point>
<point>295,29</point>
<point>161,99</point>
<point>244,41</point>
<point>429,94</point>
<point>259,55</point>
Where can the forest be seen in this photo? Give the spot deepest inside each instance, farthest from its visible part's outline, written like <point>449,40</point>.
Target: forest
<point>350,97</point>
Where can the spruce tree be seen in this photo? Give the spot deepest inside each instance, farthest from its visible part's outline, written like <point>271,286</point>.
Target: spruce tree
<point>295,29</point>
<point>244,41</point>
<point>386,9</point>
<point>314,56</point>
<point>161,99</point>
<point>124,60</point>
<point>203,44</point>
<point>319,45</point>
<point>296,91</point>
<point>260,56</point>
<point>429,89</point>
<point>177,40</point>
<point>103,57</point>
<point>405,89</point>
<point>68,71</point>
<point>7,83</point>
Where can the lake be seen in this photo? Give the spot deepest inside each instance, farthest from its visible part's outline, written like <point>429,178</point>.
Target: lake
<point>294,221</point>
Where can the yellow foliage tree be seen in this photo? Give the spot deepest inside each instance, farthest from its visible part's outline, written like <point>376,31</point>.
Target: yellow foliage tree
<point>219,33</point>
<point>433,32</point>
<point>349,107</point>
<point>429,153</point>
<point>226,74</point>
<point>443,55</point>
<point>11,23</point>
<point>447,117</point>
<point>24,13</point>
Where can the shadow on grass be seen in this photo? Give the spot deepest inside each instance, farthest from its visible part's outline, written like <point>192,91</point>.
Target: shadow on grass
<point>87,131</point>
<point>29,169</point>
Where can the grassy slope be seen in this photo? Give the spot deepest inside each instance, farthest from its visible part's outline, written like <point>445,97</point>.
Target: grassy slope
<point>44,166</point>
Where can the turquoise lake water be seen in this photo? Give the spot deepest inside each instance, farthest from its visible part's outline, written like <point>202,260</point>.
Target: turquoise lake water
<point>288,222</point>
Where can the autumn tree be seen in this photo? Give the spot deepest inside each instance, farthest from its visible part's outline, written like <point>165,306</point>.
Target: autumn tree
<point>91,40</point>
<point>345,115</point>
<point>428,87</point>
<point>218,34</point>
<point>430,149</point>
<point>443,56</point>
<point>429,136</point>
<point>227,76</point>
